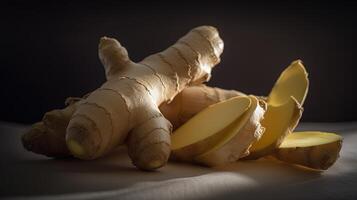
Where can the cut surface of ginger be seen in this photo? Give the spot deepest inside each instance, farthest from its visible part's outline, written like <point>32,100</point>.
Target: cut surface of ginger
<point>278,122</point>
<point>312,149</point>
<point>209,121</point>
<point>284,108</point>
<point>293,81</point>
<point>308,139</point>
<point>235,140</point>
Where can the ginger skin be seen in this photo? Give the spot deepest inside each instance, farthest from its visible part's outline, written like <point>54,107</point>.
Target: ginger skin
<point>48,136</point>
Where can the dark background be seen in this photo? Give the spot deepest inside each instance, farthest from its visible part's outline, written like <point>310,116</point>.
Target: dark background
<point>49,50</point>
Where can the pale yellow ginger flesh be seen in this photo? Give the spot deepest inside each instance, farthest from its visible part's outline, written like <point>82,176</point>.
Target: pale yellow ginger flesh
<point>209,122</point>
<point>76,148</point>
<point>278,122</point>
<point>293,81</point>
<point>192,100</point>
<point>313,149</point>
<point>284,109</point>
<point>308,139</point>
<point>234,141</point>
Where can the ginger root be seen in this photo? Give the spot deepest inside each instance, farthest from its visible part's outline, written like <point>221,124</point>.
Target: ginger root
<point>125,108</point>
<point>48,136</point>
<point>317,150</point>
<point>141,103</point>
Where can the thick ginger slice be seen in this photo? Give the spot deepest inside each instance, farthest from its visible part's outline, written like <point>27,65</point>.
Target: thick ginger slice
<point>284,109</point>
<point>278,122</point>
<point>234,141</point>
<point>209,121</point>
<point>313,149</point>
<point>191,140</point>
<point>192,100</point>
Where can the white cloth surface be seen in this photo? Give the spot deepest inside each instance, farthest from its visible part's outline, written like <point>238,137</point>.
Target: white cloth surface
<point>25,175</point>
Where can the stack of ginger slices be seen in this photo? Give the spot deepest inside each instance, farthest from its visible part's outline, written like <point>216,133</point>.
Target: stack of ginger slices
<point>251,127</point>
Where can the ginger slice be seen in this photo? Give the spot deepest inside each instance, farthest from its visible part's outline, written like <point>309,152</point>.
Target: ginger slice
<point>284,109</point>
<point>313,149</point>
<point>235,140</point>
<point>293,81</point>
<point>209,121</point>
